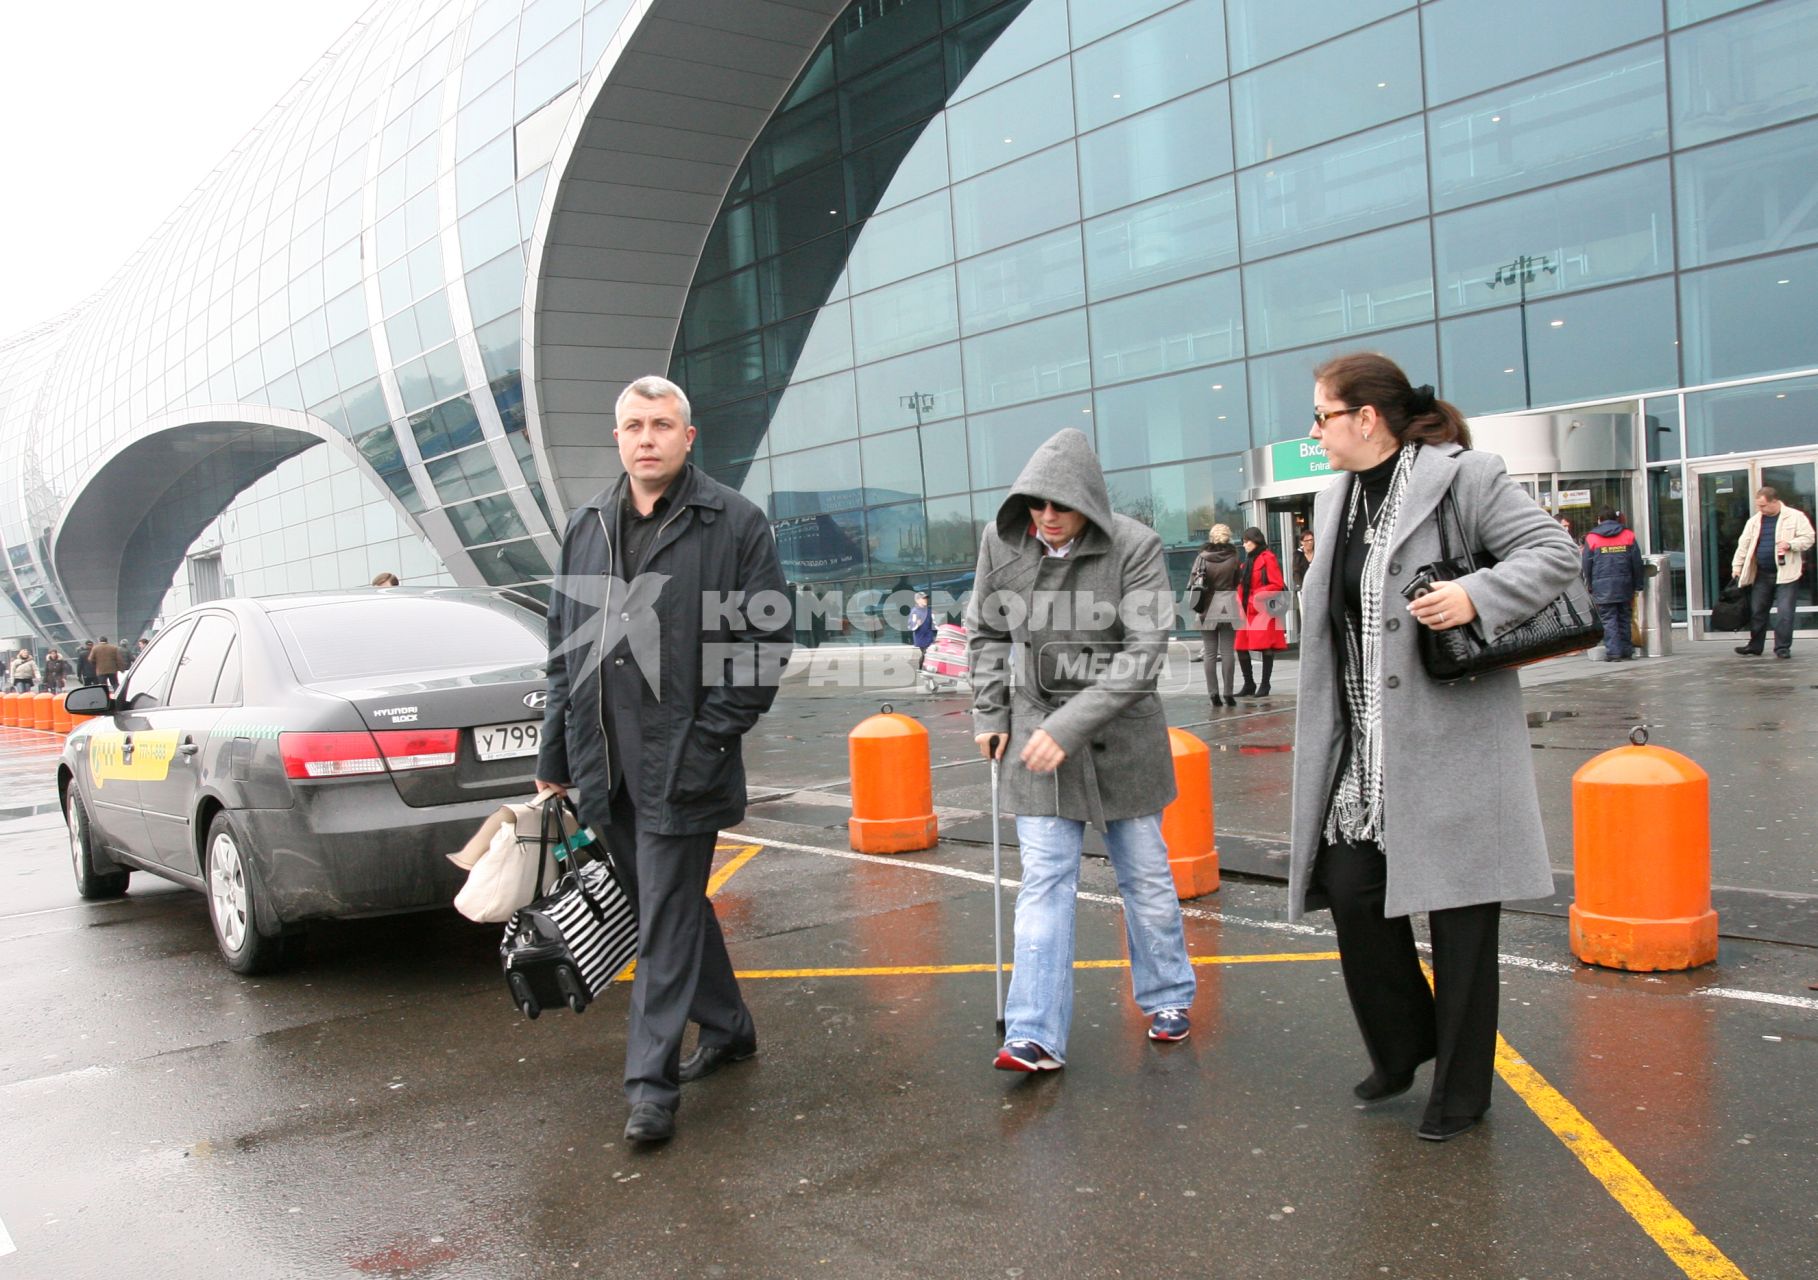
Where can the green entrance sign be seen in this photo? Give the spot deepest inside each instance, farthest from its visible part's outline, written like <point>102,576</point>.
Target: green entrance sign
<point>1298,460</point>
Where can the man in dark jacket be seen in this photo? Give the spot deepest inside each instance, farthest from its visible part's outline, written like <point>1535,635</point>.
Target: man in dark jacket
<point>1612,570</point>
<point>1068,630</point>
<point>85,663</point>
<point>668,632</point>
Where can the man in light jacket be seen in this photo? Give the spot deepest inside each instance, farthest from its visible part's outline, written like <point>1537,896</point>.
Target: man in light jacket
<point>1770,558</point>
<point>1068,628</point>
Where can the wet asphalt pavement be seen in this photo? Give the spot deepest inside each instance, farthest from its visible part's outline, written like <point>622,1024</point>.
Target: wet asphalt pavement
<point>383,1110</point>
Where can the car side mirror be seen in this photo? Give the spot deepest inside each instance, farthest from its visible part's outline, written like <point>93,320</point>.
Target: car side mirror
<point>89,700</point>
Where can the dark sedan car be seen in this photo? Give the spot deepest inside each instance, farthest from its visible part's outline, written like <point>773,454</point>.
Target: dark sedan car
<point>307,756</point>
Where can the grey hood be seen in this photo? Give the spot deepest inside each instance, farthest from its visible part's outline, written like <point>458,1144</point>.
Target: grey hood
<point>1063,470</point>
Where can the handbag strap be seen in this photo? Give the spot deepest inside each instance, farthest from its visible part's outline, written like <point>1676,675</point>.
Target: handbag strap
<point>1448,503</point>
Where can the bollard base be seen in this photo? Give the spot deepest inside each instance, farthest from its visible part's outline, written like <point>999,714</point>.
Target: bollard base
<point>893,835</point>
<point>1644,946</point>
<point>1195,875</point>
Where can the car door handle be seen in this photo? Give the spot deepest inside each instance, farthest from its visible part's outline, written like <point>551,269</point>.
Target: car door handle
<point>188,749</point>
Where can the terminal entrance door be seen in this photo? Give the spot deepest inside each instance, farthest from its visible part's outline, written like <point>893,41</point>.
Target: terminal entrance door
<point>1724,498</point>
<point>1288,519</point>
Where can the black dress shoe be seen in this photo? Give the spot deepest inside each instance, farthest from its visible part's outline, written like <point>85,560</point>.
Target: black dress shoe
<point>1248,691</point>
<point>1447,1128</point>
<point>709,1058</point>
<point>1380,1087</point>
<point>1748,652</point>
<point>650,1122</point>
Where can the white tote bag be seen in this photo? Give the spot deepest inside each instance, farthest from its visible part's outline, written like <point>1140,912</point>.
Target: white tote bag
<point>508,859</point>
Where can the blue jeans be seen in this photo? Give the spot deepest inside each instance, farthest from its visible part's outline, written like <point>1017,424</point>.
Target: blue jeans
<point>1784,598</point>
<point>1040,1004</point>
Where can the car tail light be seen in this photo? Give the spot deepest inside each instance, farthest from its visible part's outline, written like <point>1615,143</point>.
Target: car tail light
<point>418,748</point>
<point>329,755</point>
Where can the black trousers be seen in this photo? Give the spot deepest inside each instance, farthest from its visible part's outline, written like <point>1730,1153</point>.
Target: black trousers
<point>1404,1023</point>
<point>684,973</point>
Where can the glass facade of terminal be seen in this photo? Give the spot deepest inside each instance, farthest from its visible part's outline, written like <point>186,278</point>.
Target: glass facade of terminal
<point>961,226</point>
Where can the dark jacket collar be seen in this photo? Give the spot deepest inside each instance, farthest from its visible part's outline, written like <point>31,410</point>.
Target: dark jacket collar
<point>691,489</point>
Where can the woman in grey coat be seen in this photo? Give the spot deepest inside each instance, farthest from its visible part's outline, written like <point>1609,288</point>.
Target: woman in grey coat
<point>1218,568</point>
<point>1068,628</point>
<point>1411,795</point>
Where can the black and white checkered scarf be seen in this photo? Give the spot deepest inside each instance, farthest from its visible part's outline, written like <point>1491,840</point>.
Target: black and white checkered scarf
<point>1356,811</point>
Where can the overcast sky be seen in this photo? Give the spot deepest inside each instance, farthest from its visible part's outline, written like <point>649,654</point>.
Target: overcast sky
<point>115,112</point>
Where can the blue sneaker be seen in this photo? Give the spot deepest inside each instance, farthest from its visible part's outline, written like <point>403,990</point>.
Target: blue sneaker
<point>1026,1055</point>
<point>1170,1025</point>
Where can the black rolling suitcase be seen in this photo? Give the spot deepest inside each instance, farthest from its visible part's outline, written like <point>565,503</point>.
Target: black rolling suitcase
<point>568,944</point>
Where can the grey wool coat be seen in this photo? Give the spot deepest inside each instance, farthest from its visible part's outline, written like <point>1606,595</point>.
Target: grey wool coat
<point>1461,819</point>
<point>1073,645</point>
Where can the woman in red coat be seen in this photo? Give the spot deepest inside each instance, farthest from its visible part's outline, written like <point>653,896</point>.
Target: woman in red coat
<point>1260,592</point>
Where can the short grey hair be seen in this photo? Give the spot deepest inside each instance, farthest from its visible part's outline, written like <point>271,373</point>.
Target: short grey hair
<point>652,387</point>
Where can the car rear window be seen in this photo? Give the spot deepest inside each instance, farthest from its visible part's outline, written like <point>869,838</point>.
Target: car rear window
<point>360,639</point>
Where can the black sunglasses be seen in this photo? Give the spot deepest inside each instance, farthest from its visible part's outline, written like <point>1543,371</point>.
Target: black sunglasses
<point>1036,504</point>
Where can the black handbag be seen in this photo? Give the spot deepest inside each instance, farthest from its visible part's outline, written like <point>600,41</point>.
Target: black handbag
<point>1731,612</point>
<point>1568,625</point>
<point>568,944</point>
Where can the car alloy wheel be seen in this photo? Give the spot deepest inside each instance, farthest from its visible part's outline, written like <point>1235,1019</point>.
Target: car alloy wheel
<point>228,900</point>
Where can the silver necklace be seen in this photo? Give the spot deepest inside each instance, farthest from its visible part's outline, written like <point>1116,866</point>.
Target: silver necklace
<point>1370,521</point>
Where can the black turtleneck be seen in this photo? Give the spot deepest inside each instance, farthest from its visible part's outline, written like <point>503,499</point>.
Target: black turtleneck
<point>1375,483</point>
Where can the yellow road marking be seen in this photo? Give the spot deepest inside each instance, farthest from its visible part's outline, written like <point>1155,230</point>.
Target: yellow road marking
<point>1682,1242</point>
<point>746,853</point>
<point>725,873</point>
<point>892,971</point>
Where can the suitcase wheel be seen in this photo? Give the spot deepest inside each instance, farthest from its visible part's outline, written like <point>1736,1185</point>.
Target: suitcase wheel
<point>521,993</point>
<point>570,984</point>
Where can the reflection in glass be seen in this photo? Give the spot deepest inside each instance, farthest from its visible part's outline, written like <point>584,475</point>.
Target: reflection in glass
<point>1745,72</point>
<point>1010,121</point>
<point>1762,415</point>
<point>1142,65</point>
<point>1167,419</point>
<point>923,386</point>
<point>1001,443</point>
<point>1592,232</point>
<point>1480,362</point>
<point>1184,142</point>
<point>1012,203</point>
<point>1363,79</point>
<point>1749,317</point>
<point>916,313</point>
<point>1471,44</point>
<point>1176,501</point>
<point>1660,428</point>
<point>1281,386</point>
<point>1357,184</point>
<point>1177,327</point>
<point>1612,341</point>
<point>817,412</point>
<point>1188,233</point>
<point>1033,360</point>
<point>1355,286</point>
<point>1023,282</point>
<point>1263,30</point>
<point>1666,527</point>
<point>1758,194</point>
<point>906,241</point>
<point>1592,116</point>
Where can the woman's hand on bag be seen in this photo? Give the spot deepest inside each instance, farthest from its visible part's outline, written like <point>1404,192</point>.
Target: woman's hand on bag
<point>1042,754</point>
<point>552,788</point>
<point>1446,606</point>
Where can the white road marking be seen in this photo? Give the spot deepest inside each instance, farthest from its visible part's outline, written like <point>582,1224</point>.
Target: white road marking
<point>1201,913</point>
<point>1761,997</point>
<point>6,1241</point>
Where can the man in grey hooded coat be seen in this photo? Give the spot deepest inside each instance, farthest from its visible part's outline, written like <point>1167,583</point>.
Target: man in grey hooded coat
<point>1068,628</point>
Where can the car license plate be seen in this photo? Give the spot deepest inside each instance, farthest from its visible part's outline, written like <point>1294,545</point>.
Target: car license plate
<point>506,741</point>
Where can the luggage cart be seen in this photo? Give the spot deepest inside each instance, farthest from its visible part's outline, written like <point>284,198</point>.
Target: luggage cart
<point>947,666</point>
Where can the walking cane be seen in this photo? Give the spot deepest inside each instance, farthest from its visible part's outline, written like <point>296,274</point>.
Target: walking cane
<point>997,888</point>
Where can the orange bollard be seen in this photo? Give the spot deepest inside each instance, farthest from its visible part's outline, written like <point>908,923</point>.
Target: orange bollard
<point>1187,822</point>
<point>1641,846</point>
<point>41,711</point>
<point>61,720</point>
<point>9,709</point>
<point>892,786</point>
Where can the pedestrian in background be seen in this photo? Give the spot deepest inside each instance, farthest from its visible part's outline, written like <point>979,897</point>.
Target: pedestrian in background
<point>648,706</point>
<point>1065,692</point>
<point>1770,559</point>
<point>56,672</point>
<point>1218,568</point>
<point>1303,558</point>
<point>1260,593</point>
<point>386,579</point>
<point>109,663</point>
<point>23,672</point>
<point>1611,563</point>
<point>921,628</point>
<point>85,663</point>
<point>1411,795</point>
